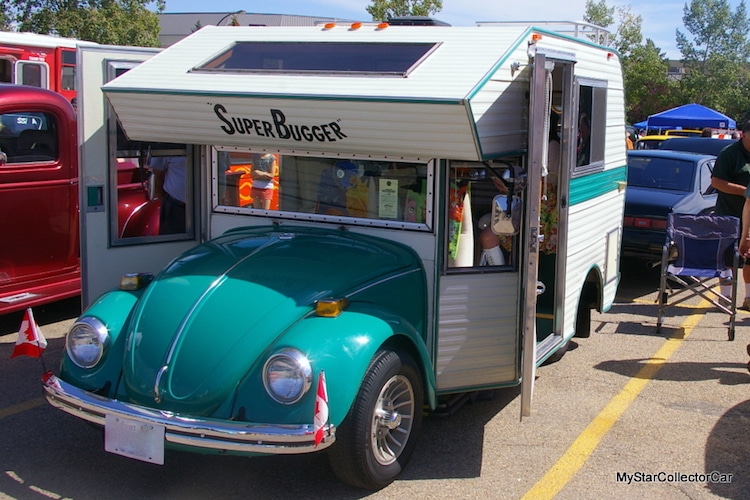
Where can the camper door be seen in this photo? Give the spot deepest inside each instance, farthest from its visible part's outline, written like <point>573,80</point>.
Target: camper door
<point>120,202</point>
<point>550,134</point>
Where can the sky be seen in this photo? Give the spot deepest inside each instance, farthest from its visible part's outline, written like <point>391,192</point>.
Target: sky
<point>660,18</point>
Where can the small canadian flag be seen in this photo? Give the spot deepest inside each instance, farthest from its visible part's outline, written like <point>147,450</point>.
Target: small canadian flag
<point>321,409</point>
<point>30,341</point>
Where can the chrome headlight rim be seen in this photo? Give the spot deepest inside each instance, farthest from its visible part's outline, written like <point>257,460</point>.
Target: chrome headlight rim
<point>97,332</point>
<point>302,375</point>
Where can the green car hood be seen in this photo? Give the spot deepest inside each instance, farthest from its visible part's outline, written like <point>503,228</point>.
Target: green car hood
<point>215,311</point>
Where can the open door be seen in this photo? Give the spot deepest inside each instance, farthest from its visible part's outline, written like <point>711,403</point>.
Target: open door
<point>116,182</point>
<point>550,139</point>
<point>537,149</point>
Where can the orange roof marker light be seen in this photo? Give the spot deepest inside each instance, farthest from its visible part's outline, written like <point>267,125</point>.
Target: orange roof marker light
<point>355,26</point>
<point>536,37</point>
<point>382,26</point>
<point>329,26</point>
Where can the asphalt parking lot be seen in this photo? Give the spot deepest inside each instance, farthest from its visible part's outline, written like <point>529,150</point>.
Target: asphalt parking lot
<point>627,412</point>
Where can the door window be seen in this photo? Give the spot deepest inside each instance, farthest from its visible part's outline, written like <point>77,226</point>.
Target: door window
<point>6,70</point>
<point>705,179</point>
<point>471,243</point>
<point>28,137</point>
<point>33,74</point>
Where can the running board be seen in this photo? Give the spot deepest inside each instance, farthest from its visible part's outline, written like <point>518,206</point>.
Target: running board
<point>546,347</point>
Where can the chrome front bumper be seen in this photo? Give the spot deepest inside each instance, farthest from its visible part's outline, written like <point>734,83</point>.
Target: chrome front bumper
<point>199,433</point>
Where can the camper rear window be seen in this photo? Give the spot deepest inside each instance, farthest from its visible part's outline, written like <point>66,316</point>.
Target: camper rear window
<point>396,59</point>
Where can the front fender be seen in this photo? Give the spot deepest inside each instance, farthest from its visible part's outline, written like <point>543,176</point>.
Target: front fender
<point>113,309</point>
<point>343,347</point>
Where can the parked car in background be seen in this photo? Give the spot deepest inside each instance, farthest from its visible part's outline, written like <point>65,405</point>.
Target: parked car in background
<point>660,182</point>
<point>683,132</point>
<point>43,61</point>
<point>703,145</point>
<point>654,141</point>
<point>632,133</point>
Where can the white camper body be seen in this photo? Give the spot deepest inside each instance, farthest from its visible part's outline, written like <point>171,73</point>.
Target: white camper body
<point>444,108</point>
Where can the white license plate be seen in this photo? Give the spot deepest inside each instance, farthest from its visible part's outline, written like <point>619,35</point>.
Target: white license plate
<point>133,439</point>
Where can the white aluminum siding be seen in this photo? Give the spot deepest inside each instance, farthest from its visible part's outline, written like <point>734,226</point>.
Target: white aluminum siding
<point>478,331</point>
<point>427,114</point>
<point>386,129</point>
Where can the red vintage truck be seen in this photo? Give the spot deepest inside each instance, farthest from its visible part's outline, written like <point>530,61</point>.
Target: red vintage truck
<point>39,198</point>
<point>44,61</point>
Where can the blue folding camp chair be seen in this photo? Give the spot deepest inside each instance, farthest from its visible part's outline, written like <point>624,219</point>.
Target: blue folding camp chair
<point>706,254</point>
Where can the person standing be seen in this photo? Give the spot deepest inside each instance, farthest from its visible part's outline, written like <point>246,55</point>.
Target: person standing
<point>731,177</point>
<point>583,149</point>
<point>170,175</point>
<point>265,170</point>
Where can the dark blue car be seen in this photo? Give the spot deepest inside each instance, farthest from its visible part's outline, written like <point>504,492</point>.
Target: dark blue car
<point>704,145</point>
<point>660,182</point>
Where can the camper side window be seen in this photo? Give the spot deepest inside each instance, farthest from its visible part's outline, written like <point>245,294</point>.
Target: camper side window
<point>326,188</point>
<point>592,119</point>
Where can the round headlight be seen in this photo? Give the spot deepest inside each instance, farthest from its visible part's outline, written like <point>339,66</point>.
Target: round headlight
<point>287,376</point>
<point>86,342</point>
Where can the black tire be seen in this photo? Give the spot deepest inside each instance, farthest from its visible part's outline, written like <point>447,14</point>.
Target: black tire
<point>376,439</point>
<point>583,320</point>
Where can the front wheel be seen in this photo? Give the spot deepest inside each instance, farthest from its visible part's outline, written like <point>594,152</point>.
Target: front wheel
<point>376,439</point>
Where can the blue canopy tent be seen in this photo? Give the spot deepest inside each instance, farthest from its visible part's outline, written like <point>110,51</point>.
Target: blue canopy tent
<point>692,116</point>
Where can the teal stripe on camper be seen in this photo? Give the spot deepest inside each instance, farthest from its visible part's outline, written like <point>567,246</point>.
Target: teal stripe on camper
<point>590,186</point>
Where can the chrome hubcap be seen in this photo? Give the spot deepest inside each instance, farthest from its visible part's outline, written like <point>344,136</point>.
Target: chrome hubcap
<point>392,420</point>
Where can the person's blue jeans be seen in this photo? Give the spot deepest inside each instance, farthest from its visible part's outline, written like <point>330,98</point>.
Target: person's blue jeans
<point>171,216</point>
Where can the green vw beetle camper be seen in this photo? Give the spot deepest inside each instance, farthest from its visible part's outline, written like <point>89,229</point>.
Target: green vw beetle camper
<point>447,212</point>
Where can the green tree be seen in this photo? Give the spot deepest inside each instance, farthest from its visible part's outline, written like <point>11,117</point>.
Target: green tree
<point>382,10</point>
<point>648,89</point>
<point>715,55</point>
<point>4,21</point>
<point>645,68</point>
<point>115,22</point>
<point>599,14</point>
<point>626,35</point>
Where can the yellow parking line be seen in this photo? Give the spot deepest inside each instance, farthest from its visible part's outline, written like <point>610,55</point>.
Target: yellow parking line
<point>571,462</point>
<point>21,407</point>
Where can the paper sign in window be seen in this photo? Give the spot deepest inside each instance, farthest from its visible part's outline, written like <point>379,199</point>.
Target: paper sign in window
<point>388,199</point>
